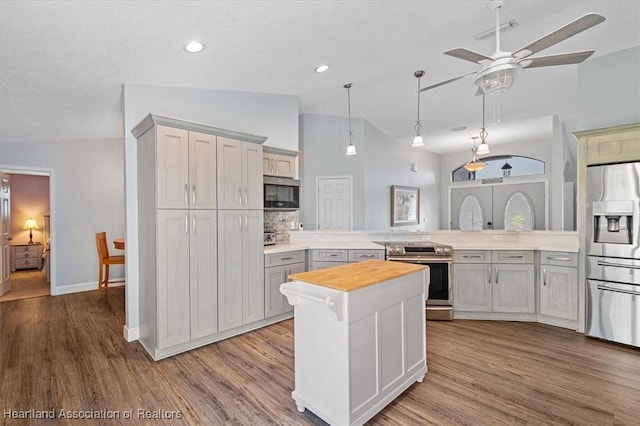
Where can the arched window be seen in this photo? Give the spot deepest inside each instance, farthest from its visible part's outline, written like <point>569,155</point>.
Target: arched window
<point>499,166</point>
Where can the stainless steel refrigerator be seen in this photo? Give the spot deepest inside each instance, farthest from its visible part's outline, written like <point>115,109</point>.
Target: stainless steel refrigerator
<point>613,253</point>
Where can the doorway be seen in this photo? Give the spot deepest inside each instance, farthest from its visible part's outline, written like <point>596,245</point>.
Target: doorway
<point>334,201</point>
<point>29,228</point>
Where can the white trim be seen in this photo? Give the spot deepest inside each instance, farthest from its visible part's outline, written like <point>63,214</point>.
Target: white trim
<point>40,171</point>
<point>317,188</point>
<point>130,334</point>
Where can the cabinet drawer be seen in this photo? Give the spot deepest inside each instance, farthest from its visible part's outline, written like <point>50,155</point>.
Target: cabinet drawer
<point>559,258</point>
<point>359,255</point>
<point>285,258</point>
<point>513,256</point>
<point>472,256</point>
<point>27,251</point>
<point>30,262</point>
<point>330,255</point>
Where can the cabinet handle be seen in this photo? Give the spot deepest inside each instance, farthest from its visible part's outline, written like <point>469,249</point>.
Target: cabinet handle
<point>558,258</point>
<point>193,195</point>
<point>544,276</point>
<point>246,196</point>
<point>240,222</point>
<point>272,164</point>
<point>26,255</point>
<point>194,224</point>
<point>246,223</point>
<point>519,256</point>
<point>240,196</point>
<point>495,272</point>
<point>286,258</point>
<point>490,275</point>
<point>186,194</point>
<point>475,256</point>
<point>366,255</point>
<point>186,224</point>
<point>330,255</point>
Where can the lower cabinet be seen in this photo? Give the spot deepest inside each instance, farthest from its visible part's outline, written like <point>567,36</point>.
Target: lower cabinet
<point>499,281</point>
<point>558,285</point>
<point>240,268</point>
<point>278,267</point>
<point>326,258</point>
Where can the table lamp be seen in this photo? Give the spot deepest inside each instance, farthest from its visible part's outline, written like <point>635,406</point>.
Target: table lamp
<point>30,224</point>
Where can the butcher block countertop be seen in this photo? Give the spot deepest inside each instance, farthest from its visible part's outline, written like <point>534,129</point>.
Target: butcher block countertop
<point>354,276</point>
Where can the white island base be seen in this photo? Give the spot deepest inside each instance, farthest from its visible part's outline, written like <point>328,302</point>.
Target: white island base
<point>358,347</point>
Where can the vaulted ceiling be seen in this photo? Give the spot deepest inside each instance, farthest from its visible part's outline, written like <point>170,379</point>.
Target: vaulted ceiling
<point>63,63</point>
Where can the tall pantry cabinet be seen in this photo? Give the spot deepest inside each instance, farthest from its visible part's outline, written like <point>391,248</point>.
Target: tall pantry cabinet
<point>181,271</point>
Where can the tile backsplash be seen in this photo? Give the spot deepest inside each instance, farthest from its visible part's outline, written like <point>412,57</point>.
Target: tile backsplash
<point>282,223</point>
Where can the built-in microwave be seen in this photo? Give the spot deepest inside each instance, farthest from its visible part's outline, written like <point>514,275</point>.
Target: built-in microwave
<point>281,193</point>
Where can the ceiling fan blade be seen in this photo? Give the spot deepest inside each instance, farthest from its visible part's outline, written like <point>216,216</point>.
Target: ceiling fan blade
<point>569,30</point>
<point>451,80</point>
<point>468,55</point>
<point>561,59</point>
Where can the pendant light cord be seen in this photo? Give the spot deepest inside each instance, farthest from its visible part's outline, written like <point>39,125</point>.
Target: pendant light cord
<point>418,125</point>
<point>483,132</point>
<point>348,87</point>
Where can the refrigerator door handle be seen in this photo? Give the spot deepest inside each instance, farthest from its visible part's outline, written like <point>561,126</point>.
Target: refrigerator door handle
<point>617,290</point>
<point>617,265</point>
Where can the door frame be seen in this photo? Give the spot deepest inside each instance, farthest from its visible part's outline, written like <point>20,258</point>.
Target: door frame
<point>350,179</point>
<point>41,171</point>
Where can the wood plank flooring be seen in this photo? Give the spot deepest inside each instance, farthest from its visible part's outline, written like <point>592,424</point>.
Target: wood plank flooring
<point>67,352</point>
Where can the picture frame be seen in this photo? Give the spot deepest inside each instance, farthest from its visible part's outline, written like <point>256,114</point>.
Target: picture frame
<point>405,205</point>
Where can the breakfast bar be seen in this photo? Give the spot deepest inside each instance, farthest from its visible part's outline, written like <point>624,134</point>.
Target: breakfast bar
<point>359,333</point>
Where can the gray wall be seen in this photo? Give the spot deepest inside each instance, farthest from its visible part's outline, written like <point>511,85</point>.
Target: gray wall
<point>609,90</point>
<point>380,163</point>
<point>273,116</point>
<point>88,196</point>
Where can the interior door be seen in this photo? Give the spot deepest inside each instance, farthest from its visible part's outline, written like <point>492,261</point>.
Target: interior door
<point>5,265</point>
<point>334,203</point>
<point>484,195</point>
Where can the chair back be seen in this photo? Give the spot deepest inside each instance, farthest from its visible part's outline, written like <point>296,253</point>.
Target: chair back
<point>101,245</point>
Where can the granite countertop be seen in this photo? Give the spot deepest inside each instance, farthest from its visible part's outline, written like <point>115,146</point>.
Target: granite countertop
<point>354,276</point>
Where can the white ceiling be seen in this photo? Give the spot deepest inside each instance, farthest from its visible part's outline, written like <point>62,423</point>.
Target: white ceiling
<point>63,62</point>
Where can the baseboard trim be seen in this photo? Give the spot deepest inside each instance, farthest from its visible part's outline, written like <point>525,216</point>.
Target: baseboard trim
<point>79,288</point>
<point>131,334</point>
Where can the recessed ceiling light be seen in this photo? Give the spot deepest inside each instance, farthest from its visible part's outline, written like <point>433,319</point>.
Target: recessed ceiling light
<point>194,47</point>
<point>322,68</point>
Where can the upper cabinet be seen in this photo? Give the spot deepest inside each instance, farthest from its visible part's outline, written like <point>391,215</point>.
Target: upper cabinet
<point>239,175</point>
<point>612,145</point>
<point>279,163</point>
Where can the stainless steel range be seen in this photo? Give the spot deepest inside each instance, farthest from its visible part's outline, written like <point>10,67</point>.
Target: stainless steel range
<point>438,257</point>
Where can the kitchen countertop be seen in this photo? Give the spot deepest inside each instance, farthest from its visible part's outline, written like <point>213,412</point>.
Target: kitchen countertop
<point>354,276</point>
<point>337,245</point>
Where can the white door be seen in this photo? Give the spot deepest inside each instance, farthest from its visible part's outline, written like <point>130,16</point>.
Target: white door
<point>334,203</point>
<point>5,266</point>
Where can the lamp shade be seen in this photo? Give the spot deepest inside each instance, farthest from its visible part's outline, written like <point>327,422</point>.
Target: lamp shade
<point>30,224</point>
<point>351,149</point>
<point>417,141</point>
<point>483,149</point>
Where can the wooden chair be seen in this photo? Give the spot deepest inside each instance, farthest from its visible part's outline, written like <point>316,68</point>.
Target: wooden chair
<point>104,261</point>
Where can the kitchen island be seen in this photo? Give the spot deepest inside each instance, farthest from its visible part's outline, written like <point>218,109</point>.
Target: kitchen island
<point>359,337</point>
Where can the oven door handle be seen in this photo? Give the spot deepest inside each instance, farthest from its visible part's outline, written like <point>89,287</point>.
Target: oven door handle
<point>418,260</point>
<point>617,265</point>
<point>617,290</point>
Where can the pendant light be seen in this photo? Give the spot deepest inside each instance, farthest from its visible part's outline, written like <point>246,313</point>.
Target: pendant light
<point>483,148</point>
<point>351,149</point>
<point>417,140</point>
<point>474,165</point>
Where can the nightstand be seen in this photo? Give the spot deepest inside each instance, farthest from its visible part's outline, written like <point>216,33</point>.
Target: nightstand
<point>26,256</point>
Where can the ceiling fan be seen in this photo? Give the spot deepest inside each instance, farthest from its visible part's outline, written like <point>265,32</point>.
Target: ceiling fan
<point>498,72</point>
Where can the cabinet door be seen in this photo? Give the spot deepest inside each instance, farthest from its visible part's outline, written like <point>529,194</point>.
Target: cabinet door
<point>268,165</point>
<point>275,303</point>
<point>559,292</point>
<point>203,271</point>
<point>202,171</point>
<point>229,169</point>
<point>513,288</point>
<point>253,269</point>
<point>253,188</point>
<point>172,168</point>
<point>471,287</point>
<point>173,278</point>
<point>284,166</point>
<point>230,267</point>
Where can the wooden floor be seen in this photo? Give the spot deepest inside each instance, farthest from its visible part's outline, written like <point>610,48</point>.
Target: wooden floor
<point>67,352</point>
<point>26,284</point>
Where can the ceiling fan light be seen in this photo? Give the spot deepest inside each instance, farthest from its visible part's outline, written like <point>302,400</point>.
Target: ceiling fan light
<point>417,141</point>
<point>498,81</point>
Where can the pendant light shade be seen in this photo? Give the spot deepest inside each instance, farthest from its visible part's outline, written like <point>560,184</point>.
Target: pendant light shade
<point>474,165</point>
<point>351,149</point>
<point>417,140</point>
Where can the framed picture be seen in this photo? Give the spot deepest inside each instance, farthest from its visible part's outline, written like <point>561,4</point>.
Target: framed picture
<point>405,205</point>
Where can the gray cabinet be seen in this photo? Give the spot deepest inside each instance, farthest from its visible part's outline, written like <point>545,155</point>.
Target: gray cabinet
<point>325,258</point>
<point>278,267</point>
<point>558,286</point>
<point>239,168</point>
<point>498,281</point>
<point>279,165</point>
<point>240,268</point>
